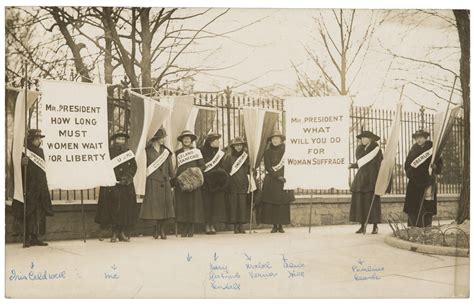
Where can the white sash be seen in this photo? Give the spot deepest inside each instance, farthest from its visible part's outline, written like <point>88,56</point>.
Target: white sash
<point>211,164</point>
<point>280,164</point>
<point>368,157</point>
<point>188,156</point>
<point>122,158</point>
<point>158,162</point>
<point>36,159</point>
<point>422,158</point>
<point>238,163</point>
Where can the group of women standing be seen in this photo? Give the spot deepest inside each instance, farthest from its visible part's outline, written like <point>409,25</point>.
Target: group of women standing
<point>210,186</point>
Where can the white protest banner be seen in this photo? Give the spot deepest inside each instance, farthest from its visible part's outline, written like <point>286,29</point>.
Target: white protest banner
<point>76,144</point>
<point>317,142</point>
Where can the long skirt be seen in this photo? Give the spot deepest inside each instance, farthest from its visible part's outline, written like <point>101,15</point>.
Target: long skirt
<point>360,205</point>
<point>426,215</point>
<point>214,205</point>
<point>189,206</point>
<point>117,207</point>
<point>238,212</point>
<point>276,214</point>
<point>35,223</point>
<point>158,201</point>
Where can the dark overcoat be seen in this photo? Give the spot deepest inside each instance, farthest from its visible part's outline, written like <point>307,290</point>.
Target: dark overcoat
<point>188,205</point>
<point>117,205</point>
<point>158,202</point>
<point>273,188</point>
<point>418,179</point>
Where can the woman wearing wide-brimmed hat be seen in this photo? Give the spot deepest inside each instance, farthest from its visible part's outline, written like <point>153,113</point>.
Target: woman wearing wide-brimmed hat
<point>417,167</point>
<point>369,157</point>
<point>237,165</point>
<point>189,179</point>
<point>215,183</point>
<point>158,201</point>
<point>275,200</point>
<point>117,205</point>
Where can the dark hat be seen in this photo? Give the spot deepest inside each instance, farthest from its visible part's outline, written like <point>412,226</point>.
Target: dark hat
<point>119,134</point>
<point>368,134</point>
<point>34,133</point>
<point>421,133</point>
<point>161,133</point>
<point>237,140</point>
<point>276,133</point>
<point>187,133</point>
<point>212,136</point>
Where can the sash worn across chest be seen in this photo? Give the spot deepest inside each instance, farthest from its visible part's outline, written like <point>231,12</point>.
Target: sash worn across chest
<point>421,158</point>
<point>217,157</point>
<point>36,159</point>
<point>238,163</point>
<point>280,164</point>
<point>158,162</point>
<point>368,157</point>
<point>188,156</point>
<point>122,158</point>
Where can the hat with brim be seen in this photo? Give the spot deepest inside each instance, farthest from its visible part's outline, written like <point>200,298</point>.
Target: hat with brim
<point>34,133</point>
<point>161,133</point>
<point>187,133</point>
<point>276,133</point>
<point>119,135</point>
<point>212,136</point>
<point>237,141</point>
<point>368,134</point>
<point>421,133</point>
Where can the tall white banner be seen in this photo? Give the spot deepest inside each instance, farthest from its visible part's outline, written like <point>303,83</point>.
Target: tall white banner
<point>317,143</point>
<point>76,146</point>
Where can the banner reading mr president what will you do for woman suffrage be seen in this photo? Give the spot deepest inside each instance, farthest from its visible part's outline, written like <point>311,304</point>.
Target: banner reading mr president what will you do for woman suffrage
<point>74,121</point>
<point>317,144</point>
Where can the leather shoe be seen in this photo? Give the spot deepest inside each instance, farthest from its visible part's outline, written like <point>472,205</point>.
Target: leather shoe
<point>274,229</point>
<point>280,229</point>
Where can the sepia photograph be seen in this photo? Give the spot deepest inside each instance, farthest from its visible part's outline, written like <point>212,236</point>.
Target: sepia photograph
<point>208,152</point>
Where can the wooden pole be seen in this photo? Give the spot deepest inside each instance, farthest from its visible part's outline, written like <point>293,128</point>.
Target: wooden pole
<point>82,216</point>
<point>310,211</point>
<point>368,214</point>
<point>25,167</point>
<point>251,210</point>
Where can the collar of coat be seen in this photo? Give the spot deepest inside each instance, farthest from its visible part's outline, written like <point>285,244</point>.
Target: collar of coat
<point>417,148</point>
<point>369,148</point>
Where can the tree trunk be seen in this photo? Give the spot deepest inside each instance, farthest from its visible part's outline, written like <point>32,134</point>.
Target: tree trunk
<point>145,64</point>
<point>463,23</point>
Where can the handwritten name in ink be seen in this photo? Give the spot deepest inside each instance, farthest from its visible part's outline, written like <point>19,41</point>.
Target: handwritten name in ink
<point>36,275</point>
<point>221,278</point>
<point>363,271</point>
<point>260,270</point>
<point>112,274</point>
<point>294,269</point>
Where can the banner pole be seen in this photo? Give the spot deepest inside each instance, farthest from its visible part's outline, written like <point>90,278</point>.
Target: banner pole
<point>310,211</point>
<point>82,216</point>
<point>25,167</point>
<point>251,210</point>
<point>368,215</point>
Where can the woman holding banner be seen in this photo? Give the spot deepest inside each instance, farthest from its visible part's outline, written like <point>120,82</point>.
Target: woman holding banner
<point>215,183</point>
<point>237,165</point>
<point>158,201</point>
<point>420,182</point>
<point>276,201</point>
<point>369,157</point>
<point>190,165</point>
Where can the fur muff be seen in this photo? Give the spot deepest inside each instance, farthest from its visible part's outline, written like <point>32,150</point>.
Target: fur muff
<point>217,180</point>
<point>190,179</point>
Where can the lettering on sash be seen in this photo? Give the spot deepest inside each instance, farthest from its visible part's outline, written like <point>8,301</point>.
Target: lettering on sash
<point>422,158</point>
<point>36,159</point>
<point>122,158</point>
<point>238,163</point>
<point>368,157</point>
<point>280,164</point>
<point>188,156</point>
<point>217,157</point>
<point>157,163</point>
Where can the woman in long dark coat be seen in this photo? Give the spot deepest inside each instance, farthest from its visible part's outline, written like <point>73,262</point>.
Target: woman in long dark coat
<point>420,179</point>
<point>117,205</point>
<point>369,157</point>
<point>158,201</point>
<point>215,184</point>
<point>238,188</point>
<point>188,197</point>
<point>276,201</point>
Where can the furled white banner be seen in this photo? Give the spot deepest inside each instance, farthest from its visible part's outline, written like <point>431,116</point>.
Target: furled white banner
<point>76,146</point>
<point>317,144</point>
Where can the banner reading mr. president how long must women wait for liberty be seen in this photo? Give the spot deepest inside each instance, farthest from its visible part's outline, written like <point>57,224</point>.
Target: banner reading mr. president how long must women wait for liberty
<point>317,143</point>
<point>76,146</point>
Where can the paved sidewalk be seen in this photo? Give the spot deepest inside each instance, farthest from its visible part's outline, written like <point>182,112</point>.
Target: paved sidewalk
<point>331,262</point>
